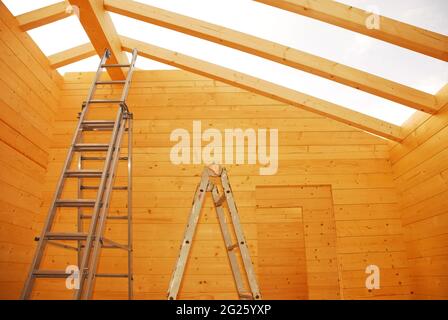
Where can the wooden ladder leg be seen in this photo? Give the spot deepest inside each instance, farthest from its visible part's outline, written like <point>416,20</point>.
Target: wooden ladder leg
<point>230,247</point>
<point>185,247</point>
<point>244,249</point>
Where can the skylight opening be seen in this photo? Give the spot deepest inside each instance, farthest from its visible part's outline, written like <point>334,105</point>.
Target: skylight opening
<point>143,63</point>
<point>340,45</point>
<point>429,15</point>
<point>59,36</point>
<point>264,69</point>
<point>19,7</point>
<point>89,64</point>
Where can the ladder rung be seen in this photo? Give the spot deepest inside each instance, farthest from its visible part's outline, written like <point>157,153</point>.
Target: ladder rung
<point>105,101</point>
<point>100,158</point>
<point>58,244</point>
<point>50,274</point>
<point>91,147</point>
<point>111,275</point>
<point>75,203</point>
<point>115,66</point>
<point>96,188</point>
<point>112,82</point>
<point>83,173</point>
<point>97,124</point>
<point>66,236</point>
<point>88,216</point>
<point>107,243</point>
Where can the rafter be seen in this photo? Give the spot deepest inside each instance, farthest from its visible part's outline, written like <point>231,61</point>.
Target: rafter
<point>101,32</point>
<point>265,88</point>
<point>331,70</point>
<point>442,97</point>
<point>43,16</point>
<point>398,33</point>
<point>419,118</point>
<point>429,124</point>
<point>72,55</point>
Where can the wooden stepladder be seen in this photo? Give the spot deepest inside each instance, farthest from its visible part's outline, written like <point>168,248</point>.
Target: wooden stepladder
<point>80,157</point>
<point>206,185</point>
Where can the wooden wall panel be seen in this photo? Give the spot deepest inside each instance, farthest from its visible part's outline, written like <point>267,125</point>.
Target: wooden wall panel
<point>29,99</point>
<point>313,151</point>
<point>318,230</point>
<point>420,169</point>
<point>281,252</point>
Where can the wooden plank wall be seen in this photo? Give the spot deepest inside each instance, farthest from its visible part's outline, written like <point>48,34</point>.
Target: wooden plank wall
<point>313,151</point>
<point>29,99</point>
<point>281,252</point>
<point>420,168</point>
<point>314,257</point>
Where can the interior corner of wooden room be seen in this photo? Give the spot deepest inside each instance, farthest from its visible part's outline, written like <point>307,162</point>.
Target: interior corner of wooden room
<point>342,199</point>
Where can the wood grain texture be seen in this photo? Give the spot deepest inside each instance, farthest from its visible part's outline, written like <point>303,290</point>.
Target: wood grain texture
<point>315,234</point>
<point>29,99</point>
<point>313,150</point>
<point>420,169</point>
<point>101,31</point>
<point>43,16</point>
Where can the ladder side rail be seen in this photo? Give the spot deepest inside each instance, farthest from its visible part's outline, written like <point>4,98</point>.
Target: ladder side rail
<point>130,227</point>
<point>79,221</point>
<point>90,95</point>
<point>127,85</point>
<point>95,212</point>
<point>179,269</point>
<point>240,235</point>
<point>51,211</point>
<point>228,242</point>
<point>97,76</point>
<point>97,242</point>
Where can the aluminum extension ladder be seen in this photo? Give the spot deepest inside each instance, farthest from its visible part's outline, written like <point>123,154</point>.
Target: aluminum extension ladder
<point>206,185</point>
<point>89,244</point>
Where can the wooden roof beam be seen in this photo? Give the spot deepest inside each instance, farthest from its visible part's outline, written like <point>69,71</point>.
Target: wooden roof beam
<point>102,34</point>
<point>442,97</point>
<point>43,16</point>
<point>72,55</point>
<point>300,60</point>
<point>398,33</point>
<point>265,88</point>
<point>433,123</point>
<point>418,118</point>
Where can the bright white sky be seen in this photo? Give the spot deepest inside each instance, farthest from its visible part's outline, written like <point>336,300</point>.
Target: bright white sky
<point>340,45</point>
